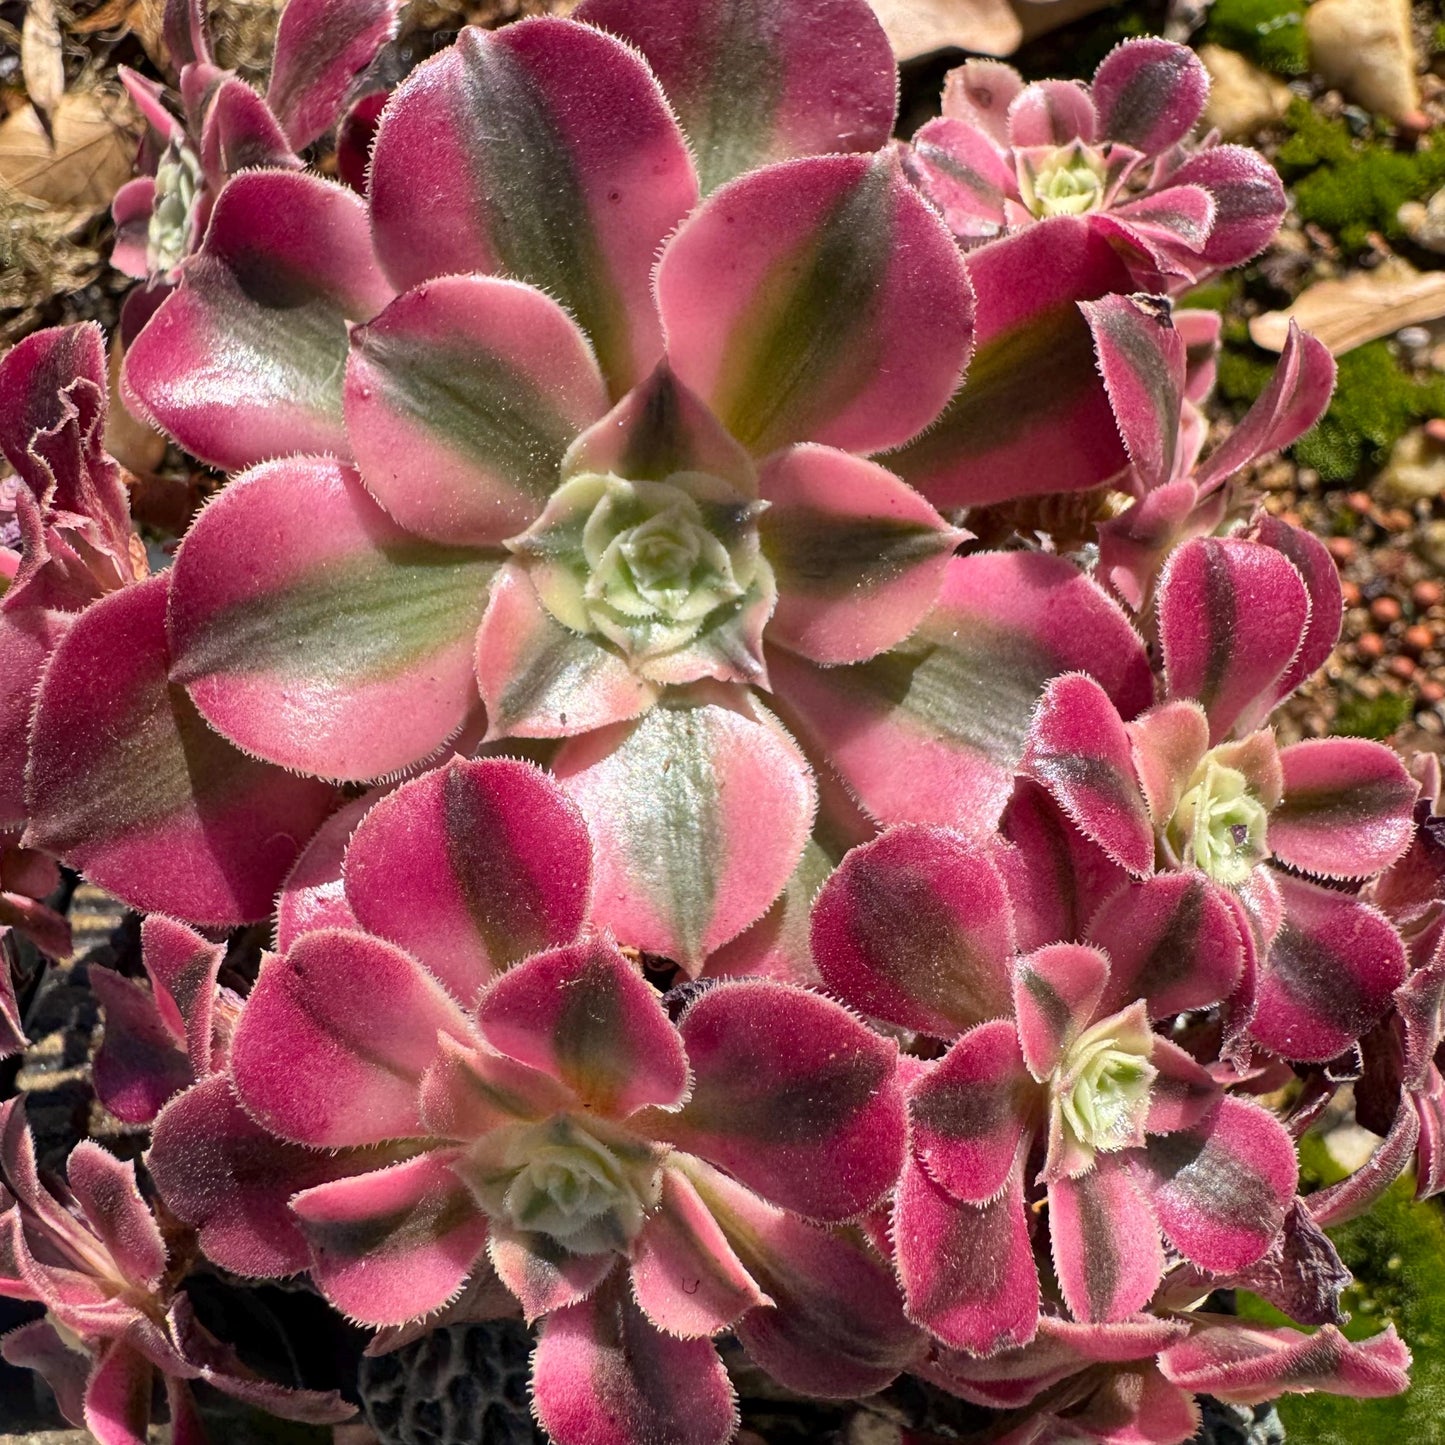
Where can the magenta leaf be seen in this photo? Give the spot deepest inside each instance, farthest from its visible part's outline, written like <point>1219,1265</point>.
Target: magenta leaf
<point>1056,993</point>
<point>335,1038</point>
<point>586,1016</point>
<point>141,1063</point>
<point>698,814</point>
<point>313,896</point>
<point>274,652</point>
<point>1231,618</point>
<point>571,188</point>
<point>253,344</point>
<point>765,82</point>
<point>1080,751</point>
<point>1249,201</point>
<point>1329,973</point>
<point>817,301</point>
<point>817,1126</point>
<point>915,928</point>
<point>1322,580</point>
<point>322,46</point>
<point>1149,93</point>
<point>1347,808</point>
<point>967,1269</point>
<point>240,133</point>
<point>26,642</point>
<point>482,383</point>
<point>470,868</point>
<point>604,1375</point>
<point>970,1112</point>
<point>1051,113</point>
<point>965,175</point>
<point>118,1396</point>
<point>182,967</point>
<point>1169,742</point>
<point>394,1244</point>
<point>130,786</point>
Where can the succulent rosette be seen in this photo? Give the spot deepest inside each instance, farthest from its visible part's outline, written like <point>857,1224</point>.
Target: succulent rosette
<point>1005,155</point>
<point>508,1093</point>
<point>227,127</point>
<point>95,1257</point>
<point>1053,1069</point>
<point>1198,784</point>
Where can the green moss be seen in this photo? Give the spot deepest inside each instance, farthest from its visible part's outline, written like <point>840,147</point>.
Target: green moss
<point>1373,717</point>
<point>1351,185</point>
<point>1270,32</point>
<point>1394,1253</point>
<point>1376,401</point>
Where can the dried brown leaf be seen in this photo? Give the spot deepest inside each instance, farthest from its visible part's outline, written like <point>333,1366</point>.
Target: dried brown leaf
<point>1362,307</point>
<point>989,27</point>
<point>141,18</point>
<point>42,63</point>
<point>81,165</point>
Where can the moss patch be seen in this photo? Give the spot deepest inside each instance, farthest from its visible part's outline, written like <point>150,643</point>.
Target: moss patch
<point>1351,185</point>
<point>1270,32</point>
<point>1373,717</point>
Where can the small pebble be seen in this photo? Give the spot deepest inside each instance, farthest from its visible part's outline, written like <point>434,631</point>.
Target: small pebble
<point>1370,647</point>
<point>1385,610</point>
<point>1427,594</point>
<point>1342,549</point>
<point>1360,502</point>
<point>1351,594</point>
<point>1402,667</point>
<point>1413,338</point>
<point>1397,519</point>
<point>1432,692</point>
<point>1418,638</point>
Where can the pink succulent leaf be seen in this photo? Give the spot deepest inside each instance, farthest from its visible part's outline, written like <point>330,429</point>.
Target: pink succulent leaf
<point>1420,1006</point>
<point>468,1092</point>
<point>1057,879</point>
<point>182,967</point>
<point>1183,1091</point>
<point>12,1034</point>
<point>967,1269</point>
<point>1221,1188</point>
<point>1232,615</point>
<point>31,919</point>
<point>335,1038</point>
<point>685,1275</point>
<point>479,383</point>
<point>1249,201</point>
<point>19,1171</point>
<point>965,175</point>
<point>1322,580</point>
<point>859,557</point>
<point>603,1374</point>
<point>343,647</point>
<point>1359,1192</point>
<point>128,784</point>
<point>39,1346</point>
<point>471,867</point>
<point>585,1015</point>
<point>1295,399</point>
<point>1056,992</point>
<point>1033,375</point>
<point>1133,1405</point>
<point>26,641</point>
<point>1172,940</point>
<point>1105,1240</point>
<point>118,1396</point>
<point>394,1244</point>
<point>313,895</point>
<point>112,1205</point>
<point>981,91</point>
<point>1149,93</point>
<point>1175,222</point>
<point>817,300</point>
<point>1141,358</point>
<point>232,1181</point>
<point>1347,810</point>
<point>933,730</point>
<point>1052,113</point>
<point>698,814</point>
<point>240,133</point>
<point>915,928</point>
<point>1079,749</point>
<point>541,679</point>
<point>149,98</point>
<point>569,187</point>
<point>541,1272</point>
<point>322,46</point>
<point>1329,974</point>
<point>767,83</point>
<point>1133,545</point>
<point>141,1062</point>
<point>816,1127</point>
<point>971,1111</point>
<point>1235,1361</point>
<point>253,344</point>
<point>1429,1103</point>
<point>186,31</point>
<point>1169,742</point>
<point>835,1326</point>
<point>355,137</point>
<point>1301,1273</point>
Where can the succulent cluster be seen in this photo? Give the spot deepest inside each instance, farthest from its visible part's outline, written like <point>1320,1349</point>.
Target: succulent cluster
<point>710,893</point>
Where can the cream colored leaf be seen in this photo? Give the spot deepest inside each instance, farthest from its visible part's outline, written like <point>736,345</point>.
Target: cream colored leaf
<point>988,27</point>
<point>86,162</point>
<point>41,62</point>
<point>1363,307</point>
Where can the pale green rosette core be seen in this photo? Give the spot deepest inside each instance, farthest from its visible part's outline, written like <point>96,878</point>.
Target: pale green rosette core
<point>1220,826</point>
<point>649,567</point>
<point>173,210</point>
<point>588,1192</point>
<point>1066,181</point>
<point>1100,1091</point>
